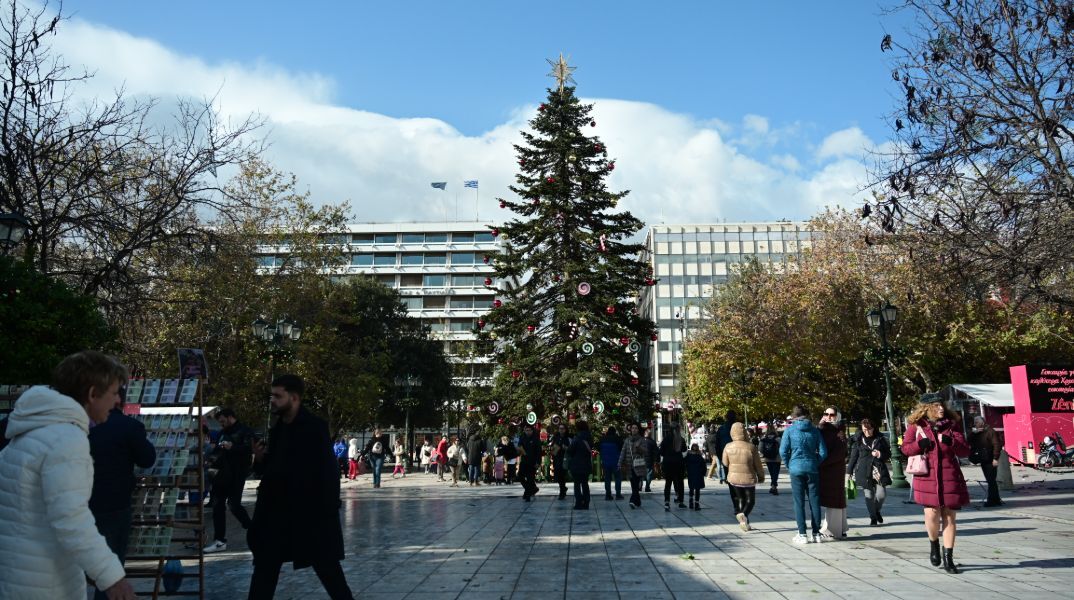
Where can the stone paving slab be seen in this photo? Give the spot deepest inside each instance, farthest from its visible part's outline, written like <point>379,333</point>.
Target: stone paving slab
<point>416,538</point>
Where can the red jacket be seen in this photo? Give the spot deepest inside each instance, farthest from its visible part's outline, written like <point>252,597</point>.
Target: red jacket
<point>944,485</point>
<point>441,451</point>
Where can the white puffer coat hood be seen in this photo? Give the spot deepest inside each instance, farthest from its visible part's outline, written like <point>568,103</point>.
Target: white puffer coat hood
<point>49,541</point>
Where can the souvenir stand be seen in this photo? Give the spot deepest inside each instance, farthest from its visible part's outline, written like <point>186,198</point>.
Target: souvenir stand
<point>168,535</point>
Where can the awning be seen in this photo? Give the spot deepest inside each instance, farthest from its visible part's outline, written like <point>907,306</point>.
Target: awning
<point>174,410</point>
<point>999,395</point>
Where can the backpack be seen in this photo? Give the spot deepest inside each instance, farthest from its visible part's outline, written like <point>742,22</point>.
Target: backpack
<point>769,447</point>
<point>378,448</point>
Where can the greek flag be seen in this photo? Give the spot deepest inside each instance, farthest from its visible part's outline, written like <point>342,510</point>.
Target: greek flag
<point>470,184</point>
<point>440,185</point>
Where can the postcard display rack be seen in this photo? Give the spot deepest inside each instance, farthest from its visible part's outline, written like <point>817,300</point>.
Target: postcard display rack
<point>163,527</point>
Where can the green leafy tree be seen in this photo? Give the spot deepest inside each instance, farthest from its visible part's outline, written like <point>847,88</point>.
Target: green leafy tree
<point>568,276</point>
<point>43,321</point>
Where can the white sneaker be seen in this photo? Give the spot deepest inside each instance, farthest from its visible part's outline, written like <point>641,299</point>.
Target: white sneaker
<point>801,539</point>
<point>216,546</point>
<point>819,538</point>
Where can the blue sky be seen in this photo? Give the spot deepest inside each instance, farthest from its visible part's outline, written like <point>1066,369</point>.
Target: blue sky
<point>767,82</point>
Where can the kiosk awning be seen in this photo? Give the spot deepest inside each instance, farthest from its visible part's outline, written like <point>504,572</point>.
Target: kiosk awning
<point>999,395</point>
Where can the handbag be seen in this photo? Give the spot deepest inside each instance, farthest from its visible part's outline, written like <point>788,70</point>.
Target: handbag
<point>917,465</point>
<point>852,489</point>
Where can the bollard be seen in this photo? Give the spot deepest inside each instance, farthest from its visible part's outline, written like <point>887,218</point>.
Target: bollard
<point>1003,472</point>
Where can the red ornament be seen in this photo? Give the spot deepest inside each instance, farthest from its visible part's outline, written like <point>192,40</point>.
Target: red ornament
<point>499,421</point>
<point>495,232</point>
<point>597,147</point>
<point>610,310</point>
<point>654,337</point>
<point>624,340</point>
<point>551,179</point>
<point>486,259</point>
<point>516,374</point>
<point>496,303</point>
<point>531,328</point>
<point>611,166</point>
<point>488,281</point>
<point>521,162</point>
<point>633,381</point>
<point>592,123</point>
<point>555,278</point>
<point>650,281</point>
<point>503,203</point>
<point>480,324</point>
<point>541,107</point>
<point>615,368</point>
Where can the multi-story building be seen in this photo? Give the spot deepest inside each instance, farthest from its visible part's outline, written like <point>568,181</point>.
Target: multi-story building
<point>439,269</point>
<point>689,261</point>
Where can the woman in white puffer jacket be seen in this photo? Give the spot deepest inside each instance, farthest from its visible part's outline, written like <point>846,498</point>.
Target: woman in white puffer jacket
<point>49,542</point>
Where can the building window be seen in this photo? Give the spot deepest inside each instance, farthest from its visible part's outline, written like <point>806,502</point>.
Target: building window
<point>269,261</point>
<point>412,302</point>
<point>462,238</point>
<point>435,238</point>
<point>435,280</point>
<point>411,260</point>
<point>463,258</point>
<point>412,280</point>
<point>483,236</point>
<point>388,280</point>
<point>438,326</point>
<point>384,260</point>
<point>462,302</point>
<point>482,303</point>
<point>462,324</point>
<point>361,260</point>
<point>385,238</point>
<point>435,259</point>
<point>362,239</point>
<point>437,302</point>
<point>413,238</point>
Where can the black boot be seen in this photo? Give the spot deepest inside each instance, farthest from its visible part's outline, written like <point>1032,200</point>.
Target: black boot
<point>934,553</point>
<point>949,561</point>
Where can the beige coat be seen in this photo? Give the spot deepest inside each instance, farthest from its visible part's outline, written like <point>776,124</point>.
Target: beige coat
<point>742,459</point>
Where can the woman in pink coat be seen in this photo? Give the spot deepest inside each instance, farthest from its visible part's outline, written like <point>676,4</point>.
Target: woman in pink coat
<point>935,432</point>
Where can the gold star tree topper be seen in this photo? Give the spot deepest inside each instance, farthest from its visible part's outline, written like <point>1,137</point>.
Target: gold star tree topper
<point>561,71</point>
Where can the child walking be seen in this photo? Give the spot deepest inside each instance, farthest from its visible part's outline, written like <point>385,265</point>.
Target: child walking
<point>400,457</point>
<point>695,475</point>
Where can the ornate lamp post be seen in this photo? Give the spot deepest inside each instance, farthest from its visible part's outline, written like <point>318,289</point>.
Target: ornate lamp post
<point>275,336</point>
<point>13,227</point>
<point>882,319</point>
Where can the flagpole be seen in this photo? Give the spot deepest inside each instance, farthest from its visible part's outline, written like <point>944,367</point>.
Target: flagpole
<point>477,202</point>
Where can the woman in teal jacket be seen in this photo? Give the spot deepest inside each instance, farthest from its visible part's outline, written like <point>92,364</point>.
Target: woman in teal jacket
<point>802,450</point>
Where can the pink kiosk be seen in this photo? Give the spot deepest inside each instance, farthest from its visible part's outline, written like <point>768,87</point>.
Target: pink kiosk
<point>1043,404</point>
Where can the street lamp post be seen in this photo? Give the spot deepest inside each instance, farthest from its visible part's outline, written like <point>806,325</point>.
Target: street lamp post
<point>408,383</point>
<point>275,336</point>
<point>882,319</point>
<point>13,227</point>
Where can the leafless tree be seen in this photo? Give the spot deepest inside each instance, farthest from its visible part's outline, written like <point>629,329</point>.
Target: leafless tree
<point>980,173</point>
<point>103,189</point>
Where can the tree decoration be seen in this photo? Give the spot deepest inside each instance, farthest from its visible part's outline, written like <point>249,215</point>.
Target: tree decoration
<point>516,373</point>
<point>650,281</point>
<point>480,324</point>
<point>598,407</point>
<point>624,341</point>
<point>503,203</point>
<point>654,337</point>
<point>634,381</point>
<point>556,419</point>
<point>603,243</point>
<point>583,321</point>
<point>588,348</point>
<point>584,288</point>
<point>610,309</point>
<point>493,336</point>
<point>488,281</point>
<point>495,231</point>
<point>529,407</point>
<point>531,328</point>
<point>611,166</point>
<point>616,368</point>
<point>551,179</point>
<point>531,418</point>
<point>572,157</point>
<point>624,401</point>
<point>634,346</point>
<point>593,123</point>
<point>494,408</point>
<point>485,259</point>
<point>497,303</point>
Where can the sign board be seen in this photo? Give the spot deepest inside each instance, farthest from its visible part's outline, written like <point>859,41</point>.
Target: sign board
<point>1051,389</point>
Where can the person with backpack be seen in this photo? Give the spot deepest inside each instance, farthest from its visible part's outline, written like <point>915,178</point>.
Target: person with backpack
<point>376,450</point>
<point>231,459</point>
<point>580,464</point>
<point>610,447</point>
<point>769,447</point>
<point>802,450</point>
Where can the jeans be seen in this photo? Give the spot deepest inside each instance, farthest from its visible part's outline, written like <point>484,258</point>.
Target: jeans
<point>266,576</point>
<point>649,478</point>
<point>115,527</point>
<point>227,494</point>
<point>635,488</point>
<point>473,473</point>
<point>773,473</point>
<point>874,498</point>
<point>611,473</point>
<point>803,485</point>
<point>990,476</point>
<point>581,489</point>
<point>377,462</point>
<point>742,498</point>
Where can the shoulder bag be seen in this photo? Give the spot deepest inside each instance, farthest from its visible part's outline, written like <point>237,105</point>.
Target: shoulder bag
<point>917,465</point>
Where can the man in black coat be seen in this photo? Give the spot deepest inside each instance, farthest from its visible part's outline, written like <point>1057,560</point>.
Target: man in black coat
<point>230,465</point>
<point>557,448</point>
<point>530,451</point>
<point>475,447</point>
<point>116,445</point>
<point>296,518</point>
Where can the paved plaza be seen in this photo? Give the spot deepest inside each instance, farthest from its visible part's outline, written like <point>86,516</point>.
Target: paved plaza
<point>418,539</point>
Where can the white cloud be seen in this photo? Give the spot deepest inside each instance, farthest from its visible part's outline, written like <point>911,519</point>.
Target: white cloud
<point>846,142</point>
<point>678,168</point>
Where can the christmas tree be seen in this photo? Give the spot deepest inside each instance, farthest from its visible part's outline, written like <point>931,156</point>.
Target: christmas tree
<point>565,319</point>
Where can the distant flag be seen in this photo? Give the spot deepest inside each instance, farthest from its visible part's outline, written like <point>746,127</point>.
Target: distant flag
<point>440,185</point>
<point>470,184</point>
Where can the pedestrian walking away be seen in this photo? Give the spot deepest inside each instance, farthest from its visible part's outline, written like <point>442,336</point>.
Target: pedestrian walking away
<point>529,450</point>
<point>580,463</point>
<point>49,545</point>
<point>610,448</point>
<point>117,445</point>
<point>672,448</point>
<point>802,449</point>
<point>744,470</point>
<point>229,466</point>
<point>654,452</point>
<point>833,494</point>
<point>475,450</point>
<point>633,462</point>
<point>557,447</point>
<point>935,435</point>
<point>769,447</point>
<point>296,518</point>
<point>376,451</point>
<point>723,437</point>
<point>868,466</point>
<point>695,475</point>
<point>984,450</point>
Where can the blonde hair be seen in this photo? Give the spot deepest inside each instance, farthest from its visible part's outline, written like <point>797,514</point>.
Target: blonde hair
<point>921,411</point>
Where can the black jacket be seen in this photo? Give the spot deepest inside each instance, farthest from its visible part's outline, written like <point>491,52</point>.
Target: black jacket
<point>117,445</point>
<point>579,453</point>
<point>296,517</point>
<point>507,451</point>
<point>671,454</point>
<point>769,447</point>
<point>474,447</point>
<point>233,463</point>
<point>531,449</point>
<point>385,446</point>
<point>861,461</point>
